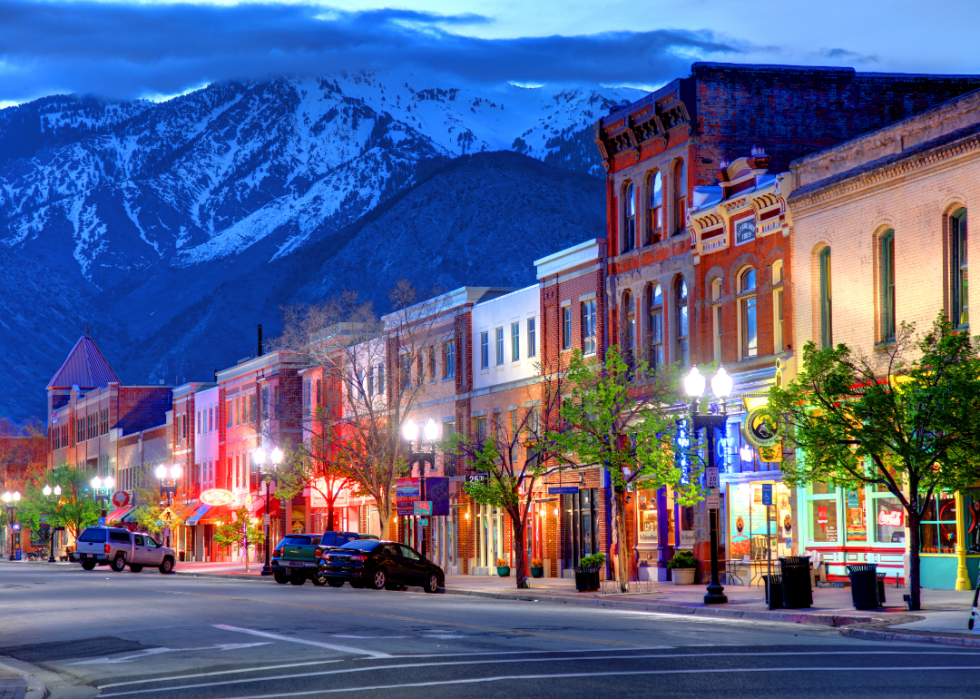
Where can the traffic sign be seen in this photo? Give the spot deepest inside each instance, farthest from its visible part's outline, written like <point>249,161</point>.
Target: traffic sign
<point>423,508</point>
<point>714,500</point>
<point>711,477</point>
<point>167,516</point>
<point>424,522</point>
<point>101,521</point>
<point>767,494</point>
<point>265,520</point>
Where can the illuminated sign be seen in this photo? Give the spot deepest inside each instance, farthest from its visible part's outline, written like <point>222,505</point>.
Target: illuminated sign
<point>121,498</point>
<point>895,518</point>
<point>217,497</point>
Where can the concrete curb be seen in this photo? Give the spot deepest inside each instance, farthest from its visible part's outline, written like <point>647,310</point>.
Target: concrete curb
<point>222,576</point>
<point>36,689</point>
<point>875,633</point>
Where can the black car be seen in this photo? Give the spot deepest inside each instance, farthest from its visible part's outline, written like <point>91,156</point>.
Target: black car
<point>377,564</point>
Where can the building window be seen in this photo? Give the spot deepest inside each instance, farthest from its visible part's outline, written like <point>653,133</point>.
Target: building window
<point>826,304</point>
<point>629,206</point>
<point>628,332</point>
<point>681,315</point>
<point>479,429</point>
<point>655,326</point>
<point>656,208</point>
<point>777,306</point>
<point>515,341</point>
<point>680,197</point>
<point>588,327</point>
<point>887,267</point>
<point>432,363</point>
<point>747,314</point>
<point>484,349</point>
<point>420,369</point>
<point>959,298</point>
<point>406,370</point>
<point>532,337</point>
<point>381,379</point>
<point>370,381</point>
<point>566,317</point>
<point>716,319</point>
<point>229,413</point>
<point>448,359</point>
<point>822,513</point>
<point>498,336</point>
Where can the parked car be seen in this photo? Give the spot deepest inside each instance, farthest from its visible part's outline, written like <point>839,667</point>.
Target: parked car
<point>296,559</point>
<point>117,547</point>
<point>380,564</point>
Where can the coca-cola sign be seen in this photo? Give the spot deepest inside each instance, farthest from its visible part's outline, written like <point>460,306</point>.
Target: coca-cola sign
<point>894,518</point>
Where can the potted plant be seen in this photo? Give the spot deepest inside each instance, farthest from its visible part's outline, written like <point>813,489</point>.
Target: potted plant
<point>503,568</point>
<point>587,573</point>
<point>537,568</point>
<point>682,567</point>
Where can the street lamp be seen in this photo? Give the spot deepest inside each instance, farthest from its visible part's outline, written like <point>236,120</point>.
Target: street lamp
<point>275,458</point>
<point>411,432</point>
<point>721,387</point>
<point>11,500</point>
<point>103,489</point>
<point>168,477</point>
<point>48,490</point>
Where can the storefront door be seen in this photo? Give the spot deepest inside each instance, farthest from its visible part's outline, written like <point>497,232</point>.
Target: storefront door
<point>579,526</point>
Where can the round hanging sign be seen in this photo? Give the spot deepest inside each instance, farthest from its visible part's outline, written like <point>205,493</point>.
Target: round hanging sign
<point>756,431</point>
<point>217,497</point>
<point>121,498</point>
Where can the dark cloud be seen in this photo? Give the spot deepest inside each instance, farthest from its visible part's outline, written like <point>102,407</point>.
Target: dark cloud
<point>847,56</point>
<point>126,50</point>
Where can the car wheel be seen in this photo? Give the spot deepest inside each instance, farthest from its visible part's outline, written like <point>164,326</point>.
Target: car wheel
<point>432,586</point>
<point>297,579</point>
<point>119,563</point>
<point>281,577</point>
<point>357,584</point>
<point>135,567</point>
<point>167,566</point>
<point>379,579</point>
<point>88,565</point>
<point>335,583</point>
<point>319,579</point>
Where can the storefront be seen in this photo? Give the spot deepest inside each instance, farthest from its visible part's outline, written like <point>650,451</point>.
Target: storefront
<point>941,554</point>
<point>491,539</point>
<point>662,527</point>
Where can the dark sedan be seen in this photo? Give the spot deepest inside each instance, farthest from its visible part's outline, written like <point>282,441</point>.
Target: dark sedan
<point>380,564</point>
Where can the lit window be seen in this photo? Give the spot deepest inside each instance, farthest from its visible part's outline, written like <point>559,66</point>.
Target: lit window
<point>588,327</point>
<point>655,314</point>
<point>656,207</point>
<point>747,314</point>
<point>681,316</point>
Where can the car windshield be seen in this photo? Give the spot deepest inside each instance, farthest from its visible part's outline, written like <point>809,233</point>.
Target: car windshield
<point>362,544</point>
<point>93,536</point>
<point>299,540</point>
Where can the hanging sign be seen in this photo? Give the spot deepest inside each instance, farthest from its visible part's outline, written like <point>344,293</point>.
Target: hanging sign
<point>216,497</point>
<point>767,494</point>
<point>423,508</point>
<point>121,498</point>
<point>563,490</point>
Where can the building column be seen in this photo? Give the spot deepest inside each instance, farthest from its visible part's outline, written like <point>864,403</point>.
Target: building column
<point>962,578</point>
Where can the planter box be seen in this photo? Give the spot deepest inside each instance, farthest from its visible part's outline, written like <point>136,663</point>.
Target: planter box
<point>683,576</point>
<point>503,571</point>
<point>537,572</point>
<point>587,581</point>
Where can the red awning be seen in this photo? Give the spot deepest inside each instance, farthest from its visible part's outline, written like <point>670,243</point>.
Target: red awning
<point>258,506</point>
<point>117,515</point>
<point>217,515</point>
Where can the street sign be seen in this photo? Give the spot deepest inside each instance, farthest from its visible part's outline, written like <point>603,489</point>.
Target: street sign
<point>767,493</point>
<point>423,508</point>
<point>167,516</point>
<point>563,490</point>
<point>265,520</point>
<point>101,521</point>
<point>711,477</point>
<point>714,502</point>
<point>424,522</point>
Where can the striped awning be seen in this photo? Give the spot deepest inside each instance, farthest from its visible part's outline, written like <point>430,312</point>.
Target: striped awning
<point>117,515</point>
<point>195,518</point>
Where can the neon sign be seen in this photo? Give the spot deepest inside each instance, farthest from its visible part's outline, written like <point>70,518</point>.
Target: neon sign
<point>217,497</point>
<point>895,518</point>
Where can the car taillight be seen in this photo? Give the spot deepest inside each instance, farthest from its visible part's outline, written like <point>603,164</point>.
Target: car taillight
<point>277,552</point>
<point>358,558</point>
<point>319,552</point>
<point>106,548</point>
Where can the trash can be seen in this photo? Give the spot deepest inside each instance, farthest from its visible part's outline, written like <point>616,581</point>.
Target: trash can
<point>881,589</point>
<point>796,582</point>
<point>864,585</point>
<point>774,591</point>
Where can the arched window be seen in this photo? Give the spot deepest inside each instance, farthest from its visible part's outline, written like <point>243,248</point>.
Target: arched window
<point>777,306</point>
<point>629,205</point>
<point>886,266</point>
<point>959,306</point>
<point>655,326</point>
<point>681,316</point>
<point>826,304</point>
<point>628,335</point>
<point>656,207</point>
<point>680,197</point>
<point>716,319</point>
<point>748,328</point>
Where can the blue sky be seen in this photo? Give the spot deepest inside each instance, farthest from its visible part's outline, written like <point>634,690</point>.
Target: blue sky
<point>133,49</point>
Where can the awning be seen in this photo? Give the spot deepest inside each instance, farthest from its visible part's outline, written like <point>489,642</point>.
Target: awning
<point>218,515</point>
<point>131,515</point>
<point>117,515</point>
<point>194,519</point>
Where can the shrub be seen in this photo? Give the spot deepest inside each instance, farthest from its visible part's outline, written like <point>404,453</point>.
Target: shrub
<point>593,560</point>
<point>682,559</point>
<point>537,563</point>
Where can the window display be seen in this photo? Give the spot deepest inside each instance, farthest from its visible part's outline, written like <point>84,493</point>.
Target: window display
<point>646,509</point>
<point>857,526</point>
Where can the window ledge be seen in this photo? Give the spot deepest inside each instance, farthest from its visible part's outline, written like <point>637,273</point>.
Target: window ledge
<point>884,346</point>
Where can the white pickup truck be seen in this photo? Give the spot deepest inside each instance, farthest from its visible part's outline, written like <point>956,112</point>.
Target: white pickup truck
<point>119,547</point>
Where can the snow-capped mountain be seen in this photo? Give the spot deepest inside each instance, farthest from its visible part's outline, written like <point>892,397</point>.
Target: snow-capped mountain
<point>146,209</point>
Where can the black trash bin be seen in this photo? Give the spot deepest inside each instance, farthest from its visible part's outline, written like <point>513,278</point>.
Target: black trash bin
<point>864,585</point>
<point>774,591</point>
<point>796,582</point>
<point>881,589</point>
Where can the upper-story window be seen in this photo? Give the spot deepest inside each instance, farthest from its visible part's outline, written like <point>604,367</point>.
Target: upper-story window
<point>588,327</point>
<point>747,310</point>
<point>499,345</point>
<point>566,318</point>
<point>629,207</point>
<point>532,337</point>
<point>515,342</point>
<point>655,325</point>
<point>716,319</point>
<point>777,306</point>
<point>628,337</point>
<point>449,359</point>
<point>886,261</point>
<point>656,207</point>
<point>406,370</point>
<point>484,349</point>
<point>432,363</point>
<point>959,298</point>
<point>680,197</point>
<point>826,304</point>
<point>681,316</point>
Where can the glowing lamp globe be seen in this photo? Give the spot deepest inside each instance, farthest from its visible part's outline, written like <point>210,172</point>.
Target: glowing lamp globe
<point>47,490</point>
<point>431,430</point>
<point>277,456</point>
<point>57,490</point>
<point>97,483</point>
<point>694,383</point>
<point>258,456</point>
<point>160,471</point>
<point>110,482</point>
<point>410,430</point>
<point>721,383</point>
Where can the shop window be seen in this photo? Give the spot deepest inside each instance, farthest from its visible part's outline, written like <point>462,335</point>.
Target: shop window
<point>655,326</point>
<point>629,207</point>
<point>937,530</point>
<point>958,295</point>
<point>747,309</point>
<point>681,317</point>
<point>856,525</point>
<point>646,509</point>
<point>656,207</point>
<point>580,525</point>
<point>826,305</point>
<point>886,262</point>
<point>822,513</point>
<point>889,516</point>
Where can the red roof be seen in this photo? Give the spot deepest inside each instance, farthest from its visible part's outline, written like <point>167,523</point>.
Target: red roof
<point>85,368</point>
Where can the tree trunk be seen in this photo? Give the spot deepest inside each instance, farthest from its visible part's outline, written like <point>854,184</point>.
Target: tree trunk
<point>619,538</point>
<point>913,581</point>
<point>517,546</point>
<point>384,514</point>
<point>330,500</point>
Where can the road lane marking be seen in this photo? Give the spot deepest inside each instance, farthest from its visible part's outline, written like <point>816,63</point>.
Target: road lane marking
<point>157,651</point>
<point>292,639</point>
<point>458,663</point>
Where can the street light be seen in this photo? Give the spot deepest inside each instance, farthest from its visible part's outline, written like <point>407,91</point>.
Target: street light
<point>168,477</point>
<point>275,458</point>
<point>721,387</point>
<point>103,489</point>
<point>11,500</point>
<point>410,431</point>
<point>48,490</point>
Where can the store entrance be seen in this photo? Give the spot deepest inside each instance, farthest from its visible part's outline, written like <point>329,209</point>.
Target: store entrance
<point>579,526</point>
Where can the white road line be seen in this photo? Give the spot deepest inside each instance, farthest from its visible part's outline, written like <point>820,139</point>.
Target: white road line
<point>457,663</point>
<point>318,644</point>
<point>591,675</point>
<point>157,651</point>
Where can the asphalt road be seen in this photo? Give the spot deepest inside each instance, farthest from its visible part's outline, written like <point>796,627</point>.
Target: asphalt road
<point>147,635</point>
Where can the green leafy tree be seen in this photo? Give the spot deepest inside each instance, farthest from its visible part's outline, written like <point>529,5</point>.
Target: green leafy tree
<point>907,419</point>
<point>623,417</point>
<point>74,508</point>
<point>240,529</point>
<point>513,457</point>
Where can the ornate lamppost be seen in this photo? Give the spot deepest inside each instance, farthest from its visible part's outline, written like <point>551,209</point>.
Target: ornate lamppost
<point>168,477</point>
<point>11,500</point>
<point>265,477</point>
<point>48,490</point>
<point>426,454</point>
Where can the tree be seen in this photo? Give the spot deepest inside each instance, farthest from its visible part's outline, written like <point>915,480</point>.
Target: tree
<point>240,529</point>
<point>515,458</point>
<point>74,509</point>
<point>151,505</point>
<point>907,419</point>
<point>368,390</point>
<point>622,416</point>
